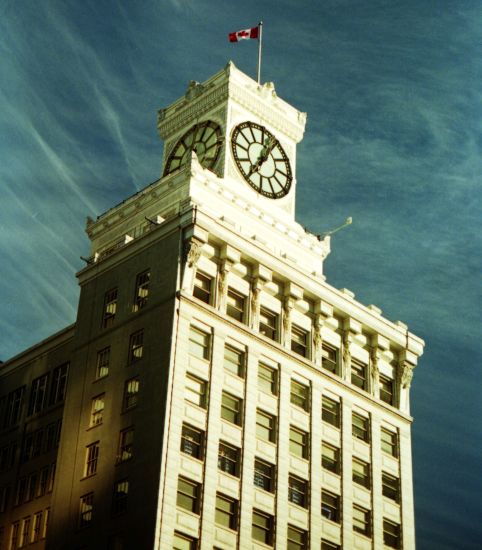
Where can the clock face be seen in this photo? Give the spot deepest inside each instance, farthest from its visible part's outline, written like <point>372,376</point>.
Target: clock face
<point>203,138</point>
<point>261,160</point>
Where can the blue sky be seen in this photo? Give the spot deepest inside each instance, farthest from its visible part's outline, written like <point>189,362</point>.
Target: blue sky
<point>392,92</point>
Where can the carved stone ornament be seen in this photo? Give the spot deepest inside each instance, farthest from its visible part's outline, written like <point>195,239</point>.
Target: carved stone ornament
<point>223,284</point>
<point>255,294</point>
<point>318,340</point>
<point>405,373</point>
<point>287,307</point>
<point>194,90</point>
<point>346,354</point>
<point>375,371</point>
<point>193,252</point>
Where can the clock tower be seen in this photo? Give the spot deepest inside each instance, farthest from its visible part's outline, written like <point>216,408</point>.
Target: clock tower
<point>240,131</point>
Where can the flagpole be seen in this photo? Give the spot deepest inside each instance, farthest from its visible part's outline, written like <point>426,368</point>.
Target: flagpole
<point>260,41</point>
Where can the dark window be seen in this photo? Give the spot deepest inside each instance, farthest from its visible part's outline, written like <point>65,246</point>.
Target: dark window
<point>265,426</point>
<point>228,459</point>
<point>192,441</point>
<point>297,539</point>
<point>231,408</point>
<point>386,390</point>
<point>235,305</point>
<point>268,324</point>
<point>110,308</point>
<point>327,545</point>
<point>329,359</point>
<point>330,412</point>
<point>142,290</point>
<point>37,526</point>
<point>300,395</point>
<point>299,442</point>
<point>199,343</point>
<point>38,394</point>
<point>330,459</point>
<point>195,390</point>
<point>360,427</point>
<point>14,407</point>
<point>58,384</point>
<point>103,359</point>
<point>184,542</point>
<point>267,379</point>
<point>330,506</point>
<point>136,346</point>
<point>263,527</point>
<point>15,535</point>
<point>361,473</point>
<point>390,487</point>
<point>202,287</point>
<point>391,534</point>
<point>226,513</point>
<point>359,375</point>
<point>298,491</point>
<point>86,509</point>
<point>125,450</point>
<point>91,459</point>
<point>131,393</point>
<point>361,521</point>
<point>188,494</point>
<point>299,341</point>
<point>389,441</point>
<point>234,361</point>
<point>120,496</point>
<point>264,475</point>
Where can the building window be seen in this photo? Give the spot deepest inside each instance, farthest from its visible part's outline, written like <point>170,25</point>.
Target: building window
<point>330,506</point>
<point>125,449</point>
<point>25,532</point>
<point>136,346</point>
<point>262,527</point>
<point>199,343</point>
<point>91,459</point>
<point>86,508</point>
<point>299,341</point>
<point>195,390</point>
<point>391,534</point>
<point>38,394</point>
<point>298,491</point>
<point>184,542</point>
<point>330,459</point>
<point>226,511</point>
<point>359,375</point>
<point>15,535</point>
<point>268,324</point>
<point>299,442</point>
<point>192,441</point>
<point>389,442</point>
<point>300,395</point>
<point>37,526</point>
<point>264,475</point>
<point>361,473</point>
<point>235,305</point>
<point>4,496</point>
<point>234,361</point>
<point>361,521</point>
<point>46,522</point>
<point>188,495</point>
<point>202,287</point>
<point>142,290</point>
<point>327,545</point>
<point>110,308</point>
<point>228,459</point>
<point>231,408</point>
<point>43,481</point>
<point>391,487</point>
<point>329,359</point>
<point>386,390</point>
<point>52,469</point>
<point>360,427</point>
<point>265,426</point>
<point>267,379</point>
<point>120,496</point>
<point>330,411</point>
<point>297,539</point>
<point>131,393</point>
<point>58,384</point>
<point>103,359</point>
<point>97,410</point>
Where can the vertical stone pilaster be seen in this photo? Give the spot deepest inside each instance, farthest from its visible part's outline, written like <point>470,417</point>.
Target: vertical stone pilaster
<point>375,371</point>
<point>346,343</point>
<point>288,305</point>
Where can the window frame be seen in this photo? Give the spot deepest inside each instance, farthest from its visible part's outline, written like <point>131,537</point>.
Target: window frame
<point>188,442</point>
<point>300,341</point>
<point>58,384</point>
<point>237,368</point>
<point>86,510</point>
<point>222,513</point>
<point>236,310</point>
<point>229,459</point>
<point>125,447</point>
<point>302,446</point>
<point>331,506</point>
<point>270,430</point>
<point>328,415</point>
<point>198,348</point>
<point>120,498</point>
<point>326,350</point>
<point>232,413</point>
<point>141,293</point>
<point>391,487</point>
<point>91,458</point>
<point>266,530</point>
<point>296,544</point>
<point>360,431</point>
<point>97,414</point>
<point>366,521</point>
<point>130,398</point>
<point>389,447</point>
<point>193,498</point>
<point>102,363</point>
<point>267,384</point>
<point>202,393</point>
<point>268,330</point>
<point>265,472</point>
<point>298,491</point>
<point>300,395</point>
<point>332,465</point>
<point>387,395</point>
<point>193,542</point>
<point>199,291</point>
<point>392,539</point>
<point>362,474</point>
<point>38,394</point>
<point>359,374</point>
<point>109,309</point>
<point>136,346</point>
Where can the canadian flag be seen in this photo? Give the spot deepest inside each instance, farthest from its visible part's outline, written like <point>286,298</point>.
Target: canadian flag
<point>245,34</point>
